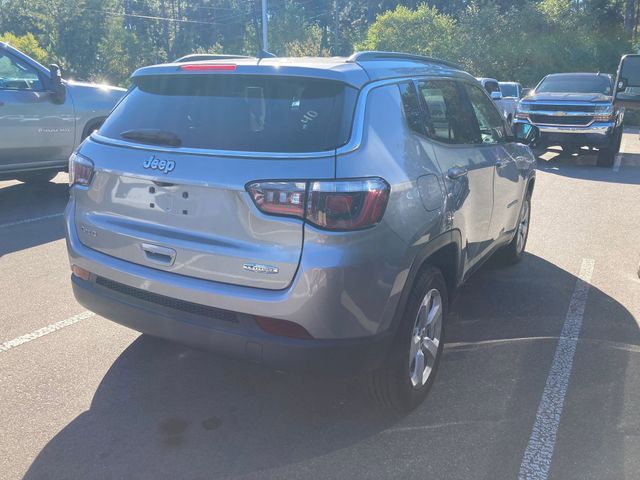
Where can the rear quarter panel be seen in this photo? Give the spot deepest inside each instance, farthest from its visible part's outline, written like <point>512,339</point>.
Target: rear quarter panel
<point>391,150</point>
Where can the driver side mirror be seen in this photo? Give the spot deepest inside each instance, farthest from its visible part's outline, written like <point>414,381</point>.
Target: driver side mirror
<point>496,95</point>
<point>57,87</point>
<point>526,133</point>
<point>627,87</point>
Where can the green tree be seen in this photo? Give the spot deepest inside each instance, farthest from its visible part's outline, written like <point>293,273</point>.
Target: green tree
<point>423,31</point>
<point>26,43</point>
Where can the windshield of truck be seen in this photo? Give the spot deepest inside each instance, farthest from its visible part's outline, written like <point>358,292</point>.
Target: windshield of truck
<point>235,112</point>
<point>576,84</point>
<point>509,90</point>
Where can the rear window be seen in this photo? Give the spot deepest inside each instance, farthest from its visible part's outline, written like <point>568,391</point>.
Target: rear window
<point>237,112</point>
<point>576,84</point>
<point>509,89</point>
<point>491,86</point>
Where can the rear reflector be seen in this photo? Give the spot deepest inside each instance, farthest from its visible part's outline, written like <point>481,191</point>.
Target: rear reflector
<point>81,272</point>
<point>208,68</point>
<point>282,328</point>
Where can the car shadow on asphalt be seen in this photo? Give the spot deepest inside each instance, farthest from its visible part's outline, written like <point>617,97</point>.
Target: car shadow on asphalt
<point>168,411</point>
<point>583,166</point>
<point>21,204</point>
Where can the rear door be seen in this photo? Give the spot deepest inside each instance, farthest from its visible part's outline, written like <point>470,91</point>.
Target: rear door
<point>507,181</point>
<point>468,169</point>
<point>185,207</point>
<point>34,131</point>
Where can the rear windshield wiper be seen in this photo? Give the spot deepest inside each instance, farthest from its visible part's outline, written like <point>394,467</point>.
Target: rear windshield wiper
<point>155,137</point>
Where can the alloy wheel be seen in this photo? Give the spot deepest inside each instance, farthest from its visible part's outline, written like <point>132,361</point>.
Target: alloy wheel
<point>425,338</point>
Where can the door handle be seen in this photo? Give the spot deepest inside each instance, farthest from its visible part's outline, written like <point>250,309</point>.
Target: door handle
<point>456,172</point>
<point>1,103</point>
<point>158,254</point>
<point>501,164</point>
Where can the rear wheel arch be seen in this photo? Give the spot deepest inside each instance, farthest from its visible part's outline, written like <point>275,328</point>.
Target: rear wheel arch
<point>444,253</point>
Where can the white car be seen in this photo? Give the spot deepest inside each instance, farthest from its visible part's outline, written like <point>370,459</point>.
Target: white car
<point>507,105</point>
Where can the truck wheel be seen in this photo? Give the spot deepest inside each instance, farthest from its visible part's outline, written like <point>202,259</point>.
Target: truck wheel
<point>404,380</point>
<point>570,149</point>
<point>513,251</point>
<point>36,178</point>
<point>92,127</point>
<point>607,155</point>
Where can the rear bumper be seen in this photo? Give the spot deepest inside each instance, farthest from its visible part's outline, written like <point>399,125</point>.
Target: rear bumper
<point>241,339</point>
<point>597,134</point>
<point>345,294</point>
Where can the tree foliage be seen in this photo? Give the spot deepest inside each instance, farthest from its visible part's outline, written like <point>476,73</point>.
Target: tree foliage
<point>26,43</point>
<point>509,39</point>
<point>424,31</point>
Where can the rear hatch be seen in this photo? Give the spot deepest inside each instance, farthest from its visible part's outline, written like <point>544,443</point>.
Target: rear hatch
<point>173,160</point>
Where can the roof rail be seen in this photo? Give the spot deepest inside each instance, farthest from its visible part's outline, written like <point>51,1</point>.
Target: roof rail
<point>379,55</point>
<point>199,57</point>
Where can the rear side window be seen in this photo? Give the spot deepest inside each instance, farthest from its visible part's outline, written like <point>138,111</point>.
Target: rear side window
<point>449,117</point>
<point>238,112</point>
<point>412,108</point>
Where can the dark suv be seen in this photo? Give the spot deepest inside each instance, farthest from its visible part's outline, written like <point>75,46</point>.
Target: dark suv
<point>309,214</point>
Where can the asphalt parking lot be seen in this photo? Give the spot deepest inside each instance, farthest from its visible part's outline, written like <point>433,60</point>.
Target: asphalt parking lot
<point>84,398</point>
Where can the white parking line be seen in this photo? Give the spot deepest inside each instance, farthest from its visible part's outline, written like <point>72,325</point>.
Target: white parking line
<point>617,162</point>
<point>620,154</point>
<point>29,220</point>
<point>16,342</point>
<point>539,452</point>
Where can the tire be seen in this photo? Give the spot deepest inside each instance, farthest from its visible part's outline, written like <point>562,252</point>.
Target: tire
<point>400,385</point>
<point>37,178</point>
<point>607,155</point>
<point>570,150</point>
<point>512,252</point>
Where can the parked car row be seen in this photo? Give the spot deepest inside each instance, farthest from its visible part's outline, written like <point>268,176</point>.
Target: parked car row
<point>505,94</point>
<point>44,117</point>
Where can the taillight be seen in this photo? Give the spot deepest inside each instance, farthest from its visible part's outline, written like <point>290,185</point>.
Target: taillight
<point>331,205</point>
<point>208,68</point>
<point>279,198</point>
<point>347,205</point>
<point>80,170</point>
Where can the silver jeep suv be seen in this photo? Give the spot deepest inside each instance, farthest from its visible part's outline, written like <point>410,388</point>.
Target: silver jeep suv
<point>307,214</point>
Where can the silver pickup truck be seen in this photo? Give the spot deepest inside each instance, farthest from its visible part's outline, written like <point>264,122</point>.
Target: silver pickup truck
<point>43,118</point>
<point>575,110</point>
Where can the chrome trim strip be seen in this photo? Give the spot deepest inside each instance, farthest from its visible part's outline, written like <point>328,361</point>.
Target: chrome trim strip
<point>210,153</point>
<point>554,113</point>
<point>596,128</point>
<point>575,103</point>
<point>593,130</point>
